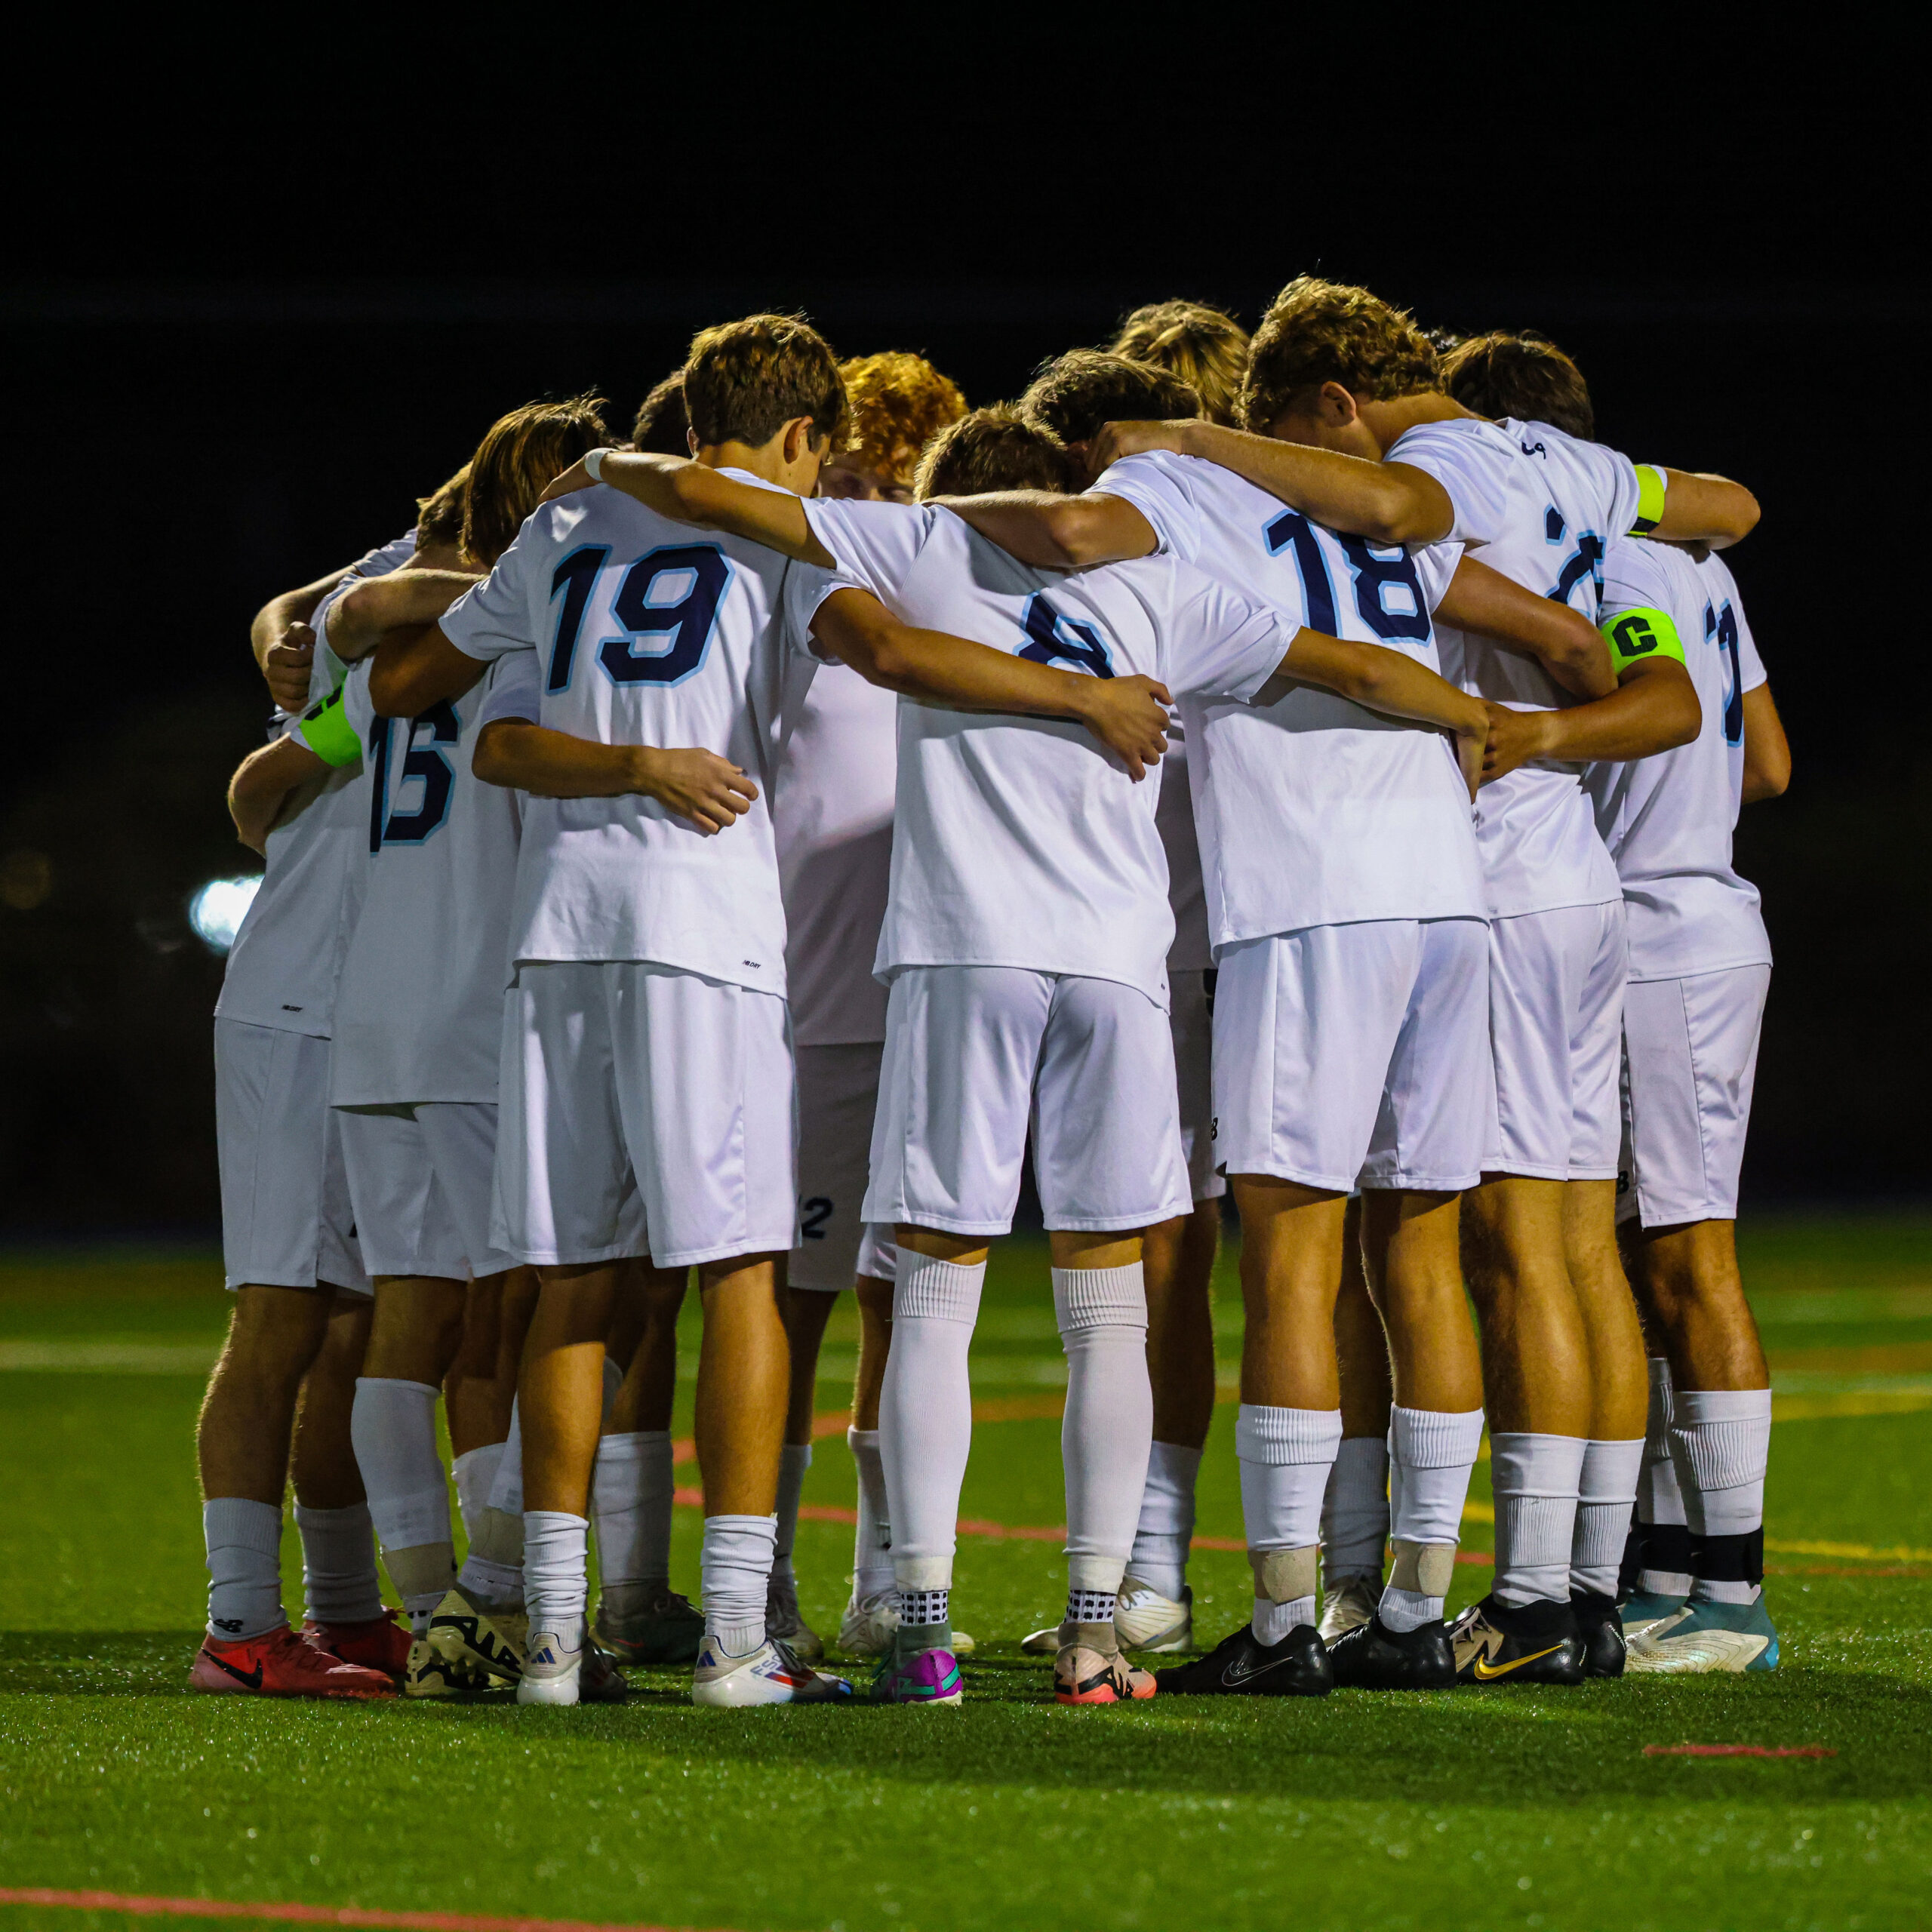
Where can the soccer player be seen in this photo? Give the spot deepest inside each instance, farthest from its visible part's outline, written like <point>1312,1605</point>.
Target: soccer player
<point>1338,382</point>
<point>1026,970</point>
<point>662,423</point>
<point>832,816</point>
<point>647,1074</point>
<point>1351,1027</point>
<point>1207,348</point>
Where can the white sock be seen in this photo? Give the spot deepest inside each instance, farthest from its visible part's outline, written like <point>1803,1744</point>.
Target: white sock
<point>737,1569</point>
<point>1606,1492</point>
<point>1660,1500</point>
<point>339,1580</point>
<point>1355,1510</point>
<point>1108,1426</point>
<point>492,1571</point>
<point>507,1492</point>
<point>1431,1452</point>
<point>1285,1455</point>
<point>1721,1442</point>
<point>1536,1479</point>
<point>393,1427</point>
<point>925,1409</point>
<point>794,1460</point>
<point>475,1473</point>
<point>871,1542</point>
<point>618,1508</point>
<point>1165,1531</point>
<point>555,1572</point>
<point>243,1540</point>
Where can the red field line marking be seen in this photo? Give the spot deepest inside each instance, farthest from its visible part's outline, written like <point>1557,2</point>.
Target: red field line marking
<point>140,1906</point>
<point>1738,1751</point>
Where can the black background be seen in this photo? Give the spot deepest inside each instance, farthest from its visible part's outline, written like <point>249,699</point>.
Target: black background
<point>255,304</point>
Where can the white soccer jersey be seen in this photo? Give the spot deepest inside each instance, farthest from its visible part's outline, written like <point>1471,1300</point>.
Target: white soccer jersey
<point>1020,841</point>
<point>648,633</point>
<point>1312,811</point>
<point>1667,819</point>
<point>282,968</point>
<point>832,814</point>
<point>419,1011</point>
<point>1541,507</point>
<point>1192,950</point>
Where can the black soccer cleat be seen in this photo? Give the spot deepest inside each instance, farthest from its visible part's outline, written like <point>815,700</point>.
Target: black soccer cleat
<point>1239,1666</point>
<point>1599,1628</point>
<point>1373,1657</point>
<point>1498,1642</point>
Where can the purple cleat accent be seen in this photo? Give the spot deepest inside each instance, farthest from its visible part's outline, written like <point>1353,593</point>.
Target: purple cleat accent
<point>927,1677</point>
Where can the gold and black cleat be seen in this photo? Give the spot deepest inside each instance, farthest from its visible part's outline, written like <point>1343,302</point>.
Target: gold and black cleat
<point>1535,1643</point>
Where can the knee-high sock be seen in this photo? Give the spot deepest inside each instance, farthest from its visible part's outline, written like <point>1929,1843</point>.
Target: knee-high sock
<point>475,1473</point>
<point>1355,1510</point>
<point>393,1426</point>
<point>737,1569</point>
<point>556,1578</point>
<point>1665,1565</point>
<point>1107,1432</point>
<point>339,1580</point>
<point>1431,1452</point>
<point>794,1460</point>
<point>1720,1441</point>
<point>871,1542</point>
<point>1536,1479</point>
<point>1165,1531</point>
<point>925,1414</point>
<point>630,1504</point>
<point>243,1539</point>
<point>493,1569</point>
<point>1285,1457</point>
<point>1606,1493</point>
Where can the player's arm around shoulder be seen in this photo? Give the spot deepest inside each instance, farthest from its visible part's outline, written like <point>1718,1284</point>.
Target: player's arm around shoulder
<point>1564,642</point>
<point>1703,509</point>
<point>710,792</point>
<point>369,610</point>
<point>1767,750</point>
<point>1128,715</point>
<point>1054,532</point>
<point>687,491</point>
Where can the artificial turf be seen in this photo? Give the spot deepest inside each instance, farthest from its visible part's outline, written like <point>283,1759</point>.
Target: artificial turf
<point>1497,1808</point>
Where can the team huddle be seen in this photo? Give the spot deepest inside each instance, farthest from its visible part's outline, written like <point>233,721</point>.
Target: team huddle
<point>1303,767</point>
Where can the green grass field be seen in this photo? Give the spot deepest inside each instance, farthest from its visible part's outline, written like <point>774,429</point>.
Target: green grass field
<point>1479,1809</point>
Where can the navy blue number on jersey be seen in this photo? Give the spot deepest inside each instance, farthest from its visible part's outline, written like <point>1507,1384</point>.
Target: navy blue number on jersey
<point>698,576</point>
<point>1721,626</point>
<point>1059,639</point>
<point>1377,569</point>
<point>413,817</point>
<point>1585,560</point>
<point>574,577</point>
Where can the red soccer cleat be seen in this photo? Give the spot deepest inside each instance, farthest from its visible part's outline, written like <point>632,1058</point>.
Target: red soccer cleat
<point>280,1664</point>
<point>380,1643</point>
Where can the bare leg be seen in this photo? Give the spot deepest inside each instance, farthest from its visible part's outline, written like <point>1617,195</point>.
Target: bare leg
<point>417,1329</point>
<point>806,1311</point>
<point>743,1378</point>
<point>323,1461</point>
<point>1179,1264</point>
<point>1535,1353</point>
<point>560,1390</point>
<point>874,1346</point>
<point>482,1382</point>
<point>1290,1273</point>
<point>650,1381</point>
<point>1694,1309</point>
<point>248,1420</point>
<point>1619,1389</point>
<point>1361,1348</point>
<point>1411,1252</point>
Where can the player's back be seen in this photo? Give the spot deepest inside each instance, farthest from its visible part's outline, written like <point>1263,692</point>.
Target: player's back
<point>1667,819</point>
<point>647,632</point>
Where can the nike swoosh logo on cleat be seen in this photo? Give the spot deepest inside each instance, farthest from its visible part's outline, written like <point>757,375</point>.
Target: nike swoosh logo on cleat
<point>1243,1673</point>
<point>1485,1674</point>
<point>252,1678</point>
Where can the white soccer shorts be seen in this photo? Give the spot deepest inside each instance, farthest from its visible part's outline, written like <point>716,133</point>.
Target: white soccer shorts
<point>1690,1059</point>
<point>974,1053</point>
<point>1190,1019</point>
<point>286,1220</point>
<point>838,1097</point>
<point>419,1178</point>
<point>643,1110</point>
<point>1356,1055</point>
<point>1556,1034</point>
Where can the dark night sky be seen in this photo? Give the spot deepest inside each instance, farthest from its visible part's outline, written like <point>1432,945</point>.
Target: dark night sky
<point>250,315</point>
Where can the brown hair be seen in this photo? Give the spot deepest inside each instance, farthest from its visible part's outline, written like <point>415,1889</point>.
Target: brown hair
<point>1074,394</point>
<point>745,380</point>
<point>1206,349</point>
<point>661,421</point>
<point>897,403</point>
<point>1317,332</point>
<point>519,455</point>
<point>439,518</point>
<point>1526,376</point>
<point>993,449</point>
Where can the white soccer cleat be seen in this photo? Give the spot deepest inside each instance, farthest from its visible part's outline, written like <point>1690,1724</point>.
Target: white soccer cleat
<point>552,1671</point>
<point>866,1629</point>
<point>1347,1605</point>
<point>1144,1619</point>
<point>770,1674</point>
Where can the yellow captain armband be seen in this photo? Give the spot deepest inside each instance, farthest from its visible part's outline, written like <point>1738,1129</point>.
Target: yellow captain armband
<point>1651,485</point>
<point>1636,637</point>
<point>326,730</point>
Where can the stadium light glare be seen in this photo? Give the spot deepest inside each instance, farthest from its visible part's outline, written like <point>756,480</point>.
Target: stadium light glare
<point>215,912</point>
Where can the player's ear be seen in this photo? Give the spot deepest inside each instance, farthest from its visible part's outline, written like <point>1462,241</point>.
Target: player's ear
<point>691,440</point>
<point>1337,405</point>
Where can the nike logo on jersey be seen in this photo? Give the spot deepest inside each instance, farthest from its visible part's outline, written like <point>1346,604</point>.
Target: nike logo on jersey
<point>1485,1674</point>
<point>252,1678</point>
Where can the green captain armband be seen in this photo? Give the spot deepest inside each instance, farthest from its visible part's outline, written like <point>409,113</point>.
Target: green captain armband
<point>1651,484</point>
<point>1636,637</point>
<point>327,732</point>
